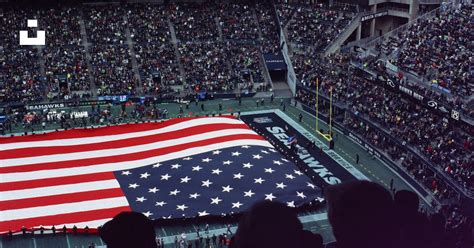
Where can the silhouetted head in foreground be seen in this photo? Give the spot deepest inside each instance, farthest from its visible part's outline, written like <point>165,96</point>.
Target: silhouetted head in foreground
<point>273,224</point>
<point>129,229</point>
<point>361,214</point>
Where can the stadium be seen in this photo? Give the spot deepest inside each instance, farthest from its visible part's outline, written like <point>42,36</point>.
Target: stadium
<point>157,123</point>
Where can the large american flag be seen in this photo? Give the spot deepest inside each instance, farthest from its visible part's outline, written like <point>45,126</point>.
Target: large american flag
<point>185,167</point>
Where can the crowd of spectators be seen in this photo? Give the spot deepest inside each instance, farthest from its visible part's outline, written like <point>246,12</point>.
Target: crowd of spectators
<point>155,55</point>
<point>20,77</point>
<point>194,22</point>
<point>440,50</point>
<point>110,55</point>
<point>66,71</point>
<point>315,25</point>
<point>270,38</point>
<point>238,22</point>
<point>206,66</point>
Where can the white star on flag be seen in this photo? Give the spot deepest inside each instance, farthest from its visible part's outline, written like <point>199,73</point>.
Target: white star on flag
<point>126,173</point>
<point>181,207</point>
<point>206,183</point>
<point>133,185</point>
<point>236,153</point>
<point>215,200</point>
<point>257,156</point>
<point>216,171</point>
<point>269,197</point>
<point>227,188</point>
<point>161,203</point>
<point>148,214</point>
<point>280,186</point>
<point>145,175</point>
<point>185,179</point>
<point>300,194</point>
<point>238,176</point>
<point>175,166</point>
<point>197,168</point>
<point>153,190</point>
<point>216,152</point>
<point>291,204</point>
<point>141,199</point>
<point>165,177</point>
<point>203,213</point>
<point>187,158</point>
<point>259,180</point>
<point>228,162</point>
<point>174,192</point>
<point>269,170</point>
<point>277,162</point>
<point>248,193</point>
<point>157,165</point>
<point>289,176</point>
<point>236,205</point>
<point>195,195</point>
<point>297,172</point>
<point>248,165</point>
<point>207,160</point>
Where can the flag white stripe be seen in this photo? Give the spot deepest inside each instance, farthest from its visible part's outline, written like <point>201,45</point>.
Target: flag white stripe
<point>91,224</point>
<point>66,208</point>
<point>121,151</point>
<point>106,138</point>
<point>58,190</point>
<point>34,175</point>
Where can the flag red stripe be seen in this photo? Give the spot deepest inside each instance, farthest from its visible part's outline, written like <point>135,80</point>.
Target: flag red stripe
<point>125,157</point>
<point>60,199</point>
<point>56,181</point>
<point>101,131</point>
<point>42,151</point>
<point>59,219</point>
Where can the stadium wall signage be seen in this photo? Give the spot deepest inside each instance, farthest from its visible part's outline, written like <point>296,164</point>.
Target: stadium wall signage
<point>275,61</point>
<point>394,85</point>
<point>373,16</point>
<point>58,105</point>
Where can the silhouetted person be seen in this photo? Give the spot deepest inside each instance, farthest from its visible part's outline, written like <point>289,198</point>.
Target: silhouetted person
<point>360,213</point>
<point>357,158</point>
<point>129,229</point>
<point>300,117</point>
<point>259,227</point>
<point>413,226</point>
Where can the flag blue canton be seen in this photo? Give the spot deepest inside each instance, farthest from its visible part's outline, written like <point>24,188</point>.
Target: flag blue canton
<point>220,182</point>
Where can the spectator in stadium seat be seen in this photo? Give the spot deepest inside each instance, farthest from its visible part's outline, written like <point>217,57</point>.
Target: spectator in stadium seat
<point>129,229</point>
<point>258,227</point>
<point>360,213</point>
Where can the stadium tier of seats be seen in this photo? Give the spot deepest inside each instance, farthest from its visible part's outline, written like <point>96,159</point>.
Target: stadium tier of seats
<point>443,143</point>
